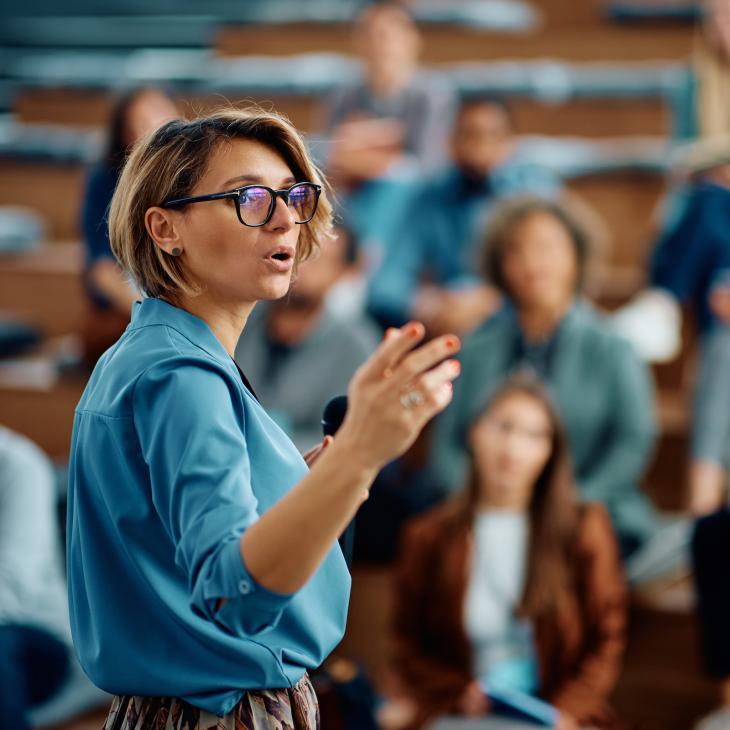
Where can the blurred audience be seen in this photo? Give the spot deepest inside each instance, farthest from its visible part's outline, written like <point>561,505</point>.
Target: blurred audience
<point>396,115</point>
<point>388,128</point>
<point>537,255</point>
<point>297,353</point>
<point>511,584</point>
<point>35,637</point>
<point>110,295</point>
<point>430,268</point>
<point>691,263</point>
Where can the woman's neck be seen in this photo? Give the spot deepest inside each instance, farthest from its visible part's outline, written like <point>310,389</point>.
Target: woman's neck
<point>540,322</point>
<point>225,319</point>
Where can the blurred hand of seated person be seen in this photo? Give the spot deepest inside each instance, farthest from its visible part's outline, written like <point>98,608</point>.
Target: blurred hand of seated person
<point>512,582</point>
<point>364,149</point>
<point>707,487</point>
<point>458,311</point>
<point>472,701</point>
<point>720,303</point>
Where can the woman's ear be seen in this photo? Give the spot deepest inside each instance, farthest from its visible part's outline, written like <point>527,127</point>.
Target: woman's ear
<point>160,224</point>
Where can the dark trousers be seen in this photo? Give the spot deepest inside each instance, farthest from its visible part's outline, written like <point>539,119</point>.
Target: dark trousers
<point>33,665</point>
<point>711,558</point>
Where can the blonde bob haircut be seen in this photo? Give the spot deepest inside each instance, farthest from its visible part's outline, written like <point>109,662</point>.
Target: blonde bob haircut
<point>170,162</point>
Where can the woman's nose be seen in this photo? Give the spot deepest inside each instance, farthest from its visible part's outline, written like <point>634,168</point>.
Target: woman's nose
<point>283,217</point>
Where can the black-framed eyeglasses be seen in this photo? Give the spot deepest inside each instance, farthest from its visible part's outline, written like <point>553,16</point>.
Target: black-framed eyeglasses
<point>255,203</point>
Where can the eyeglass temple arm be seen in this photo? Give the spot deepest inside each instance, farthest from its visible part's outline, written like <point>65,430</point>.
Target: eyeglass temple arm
<point>200,199</point>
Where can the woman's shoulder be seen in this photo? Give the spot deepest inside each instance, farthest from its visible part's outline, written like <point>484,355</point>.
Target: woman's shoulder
<point>150,362</point>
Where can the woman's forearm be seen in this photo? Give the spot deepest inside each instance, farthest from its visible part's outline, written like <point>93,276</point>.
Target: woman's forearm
<point>284,548</point>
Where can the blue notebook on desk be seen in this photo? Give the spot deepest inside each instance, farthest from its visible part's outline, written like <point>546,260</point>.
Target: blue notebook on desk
<point>520,705</point>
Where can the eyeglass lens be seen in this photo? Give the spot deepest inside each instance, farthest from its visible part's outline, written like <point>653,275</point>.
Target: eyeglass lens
<point>255,203</point>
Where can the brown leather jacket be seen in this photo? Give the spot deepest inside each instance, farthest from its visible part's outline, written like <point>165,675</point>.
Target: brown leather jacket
<point>580,646</point>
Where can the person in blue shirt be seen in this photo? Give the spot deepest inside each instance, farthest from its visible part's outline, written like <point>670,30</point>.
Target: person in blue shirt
<point>204,573</point>
<point>691,263</point>
<point>430,268</point>
<point>109,295</point>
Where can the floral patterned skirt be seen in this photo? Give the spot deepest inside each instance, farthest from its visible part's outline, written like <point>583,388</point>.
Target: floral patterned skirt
<point>267,709</point>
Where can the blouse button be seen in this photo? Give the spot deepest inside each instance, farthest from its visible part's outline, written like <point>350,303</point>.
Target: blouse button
<point>244,587</point>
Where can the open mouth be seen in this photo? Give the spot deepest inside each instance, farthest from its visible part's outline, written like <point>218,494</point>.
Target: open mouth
<point>281,256</point>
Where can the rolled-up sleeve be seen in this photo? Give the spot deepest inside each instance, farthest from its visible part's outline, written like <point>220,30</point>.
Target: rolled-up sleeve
<point>194,444</point>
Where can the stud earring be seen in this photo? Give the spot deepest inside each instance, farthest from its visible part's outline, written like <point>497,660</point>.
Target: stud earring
<point>176,251</point>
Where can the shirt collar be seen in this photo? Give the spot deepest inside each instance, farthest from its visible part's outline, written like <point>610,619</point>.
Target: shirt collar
<point>153,311</point>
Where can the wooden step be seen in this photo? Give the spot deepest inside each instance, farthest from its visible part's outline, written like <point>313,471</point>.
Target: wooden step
<point>44,287</point>
<point>42,411</point>
<point>53,190</point>
<point>574,117</point>
<point>450,43</point>
<point>627,204</point>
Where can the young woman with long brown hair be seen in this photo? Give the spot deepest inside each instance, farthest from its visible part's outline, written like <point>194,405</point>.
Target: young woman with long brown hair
<point>512,582</point>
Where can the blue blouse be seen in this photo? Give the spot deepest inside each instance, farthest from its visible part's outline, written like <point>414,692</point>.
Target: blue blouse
<point>172,458</point>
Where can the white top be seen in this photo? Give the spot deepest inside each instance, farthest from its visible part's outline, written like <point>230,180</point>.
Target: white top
<point>495,589</point>
<point>32,584</point>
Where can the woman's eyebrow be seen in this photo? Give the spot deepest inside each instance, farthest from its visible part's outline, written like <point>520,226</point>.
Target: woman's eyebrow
<point>254,179</point>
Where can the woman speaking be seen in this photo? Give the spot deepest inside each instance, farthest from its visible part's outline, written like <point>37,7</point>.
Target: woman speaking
<point>205,577</point>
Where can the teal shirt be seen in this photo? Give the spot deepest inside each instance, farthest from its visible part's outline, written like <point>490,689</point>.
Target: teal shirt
<point>172,459</point>
<point>603,393</point>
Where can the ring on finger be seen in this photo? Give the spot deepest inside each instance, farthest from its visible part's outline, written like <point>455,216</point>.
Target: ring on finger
<point>412,398</point>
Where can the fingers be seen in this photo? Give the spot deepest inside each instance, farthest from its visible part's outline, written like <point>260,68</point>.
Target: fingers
<point>434,380</point>
<point>316,451</point>
<point>436,388</point>
<point>395,345</point>
<point>424,358</point>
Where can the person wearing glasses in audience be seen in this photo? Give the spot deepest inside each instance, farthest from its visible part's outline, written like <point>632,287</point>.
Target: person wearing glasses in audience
<point>205,577</point>
<point>511,586</point>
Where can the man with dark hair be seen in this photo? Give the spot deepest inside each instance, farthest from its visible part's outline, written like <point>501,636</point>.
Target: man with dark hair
<point>430,270</point>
